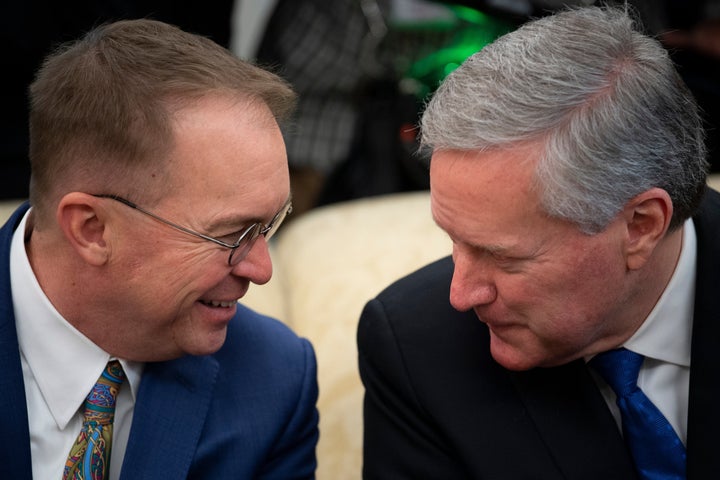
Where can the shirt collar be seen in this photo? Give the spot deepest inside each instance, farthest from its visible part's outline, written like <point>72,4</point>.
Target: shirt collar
<point>63,361</point>
<point>666,333</point>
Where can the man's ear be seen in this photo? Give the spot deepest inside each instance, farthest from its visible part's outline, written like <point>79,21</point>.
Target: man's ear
<point>82,219</point>
<point>647,218</point>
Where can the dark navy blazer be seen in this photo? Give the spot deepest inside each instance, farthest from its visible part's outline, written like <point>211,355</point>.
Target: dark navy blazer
<point>438,406</point>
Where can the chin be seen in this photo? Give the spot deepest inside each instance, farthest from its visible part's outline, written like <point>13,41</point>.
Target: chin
<point>511,357</point>
<point>209,345</point>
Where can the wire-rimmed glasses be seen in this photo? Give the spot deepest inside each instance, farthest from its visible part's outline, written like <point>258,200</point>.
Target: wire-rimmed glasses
<point>238,249</point>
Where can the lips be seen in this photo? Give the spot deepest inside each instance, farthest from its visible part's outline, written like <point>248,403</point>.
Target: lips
<point>495,323</point>
<point>218,303</point>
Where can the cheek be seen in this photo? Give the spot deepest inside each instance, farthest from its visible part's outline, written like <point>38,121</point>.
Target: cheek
<point>598,273</point>
<point>578,284</point>
<point>169,274</point>
<point>582,292</point>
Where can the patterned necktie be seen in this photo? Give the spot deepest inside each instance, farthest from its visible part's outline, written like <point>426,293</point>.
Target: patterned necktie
<point>89,457</point>
<point>656,449</point>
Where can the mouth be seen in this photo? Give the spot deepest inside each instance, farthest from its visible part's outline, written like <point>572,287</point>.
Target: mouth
<point>494,323</point>
<point>219,303</point>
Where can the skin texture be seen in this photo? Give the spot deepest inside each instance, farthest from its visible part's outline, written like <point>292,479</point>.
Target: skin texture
<point>140,289</point>
<point>548,292</point>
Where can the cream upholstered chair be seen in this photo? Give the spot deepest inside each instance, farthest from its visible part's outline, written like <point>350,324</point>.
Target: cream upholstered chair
<point>7,207</point>
<point>328,263</point>
<point>714,181</point>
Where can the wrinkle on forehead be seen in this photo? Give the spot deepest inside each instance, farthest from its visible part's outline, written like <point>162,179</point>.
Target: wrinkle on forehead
<point>486,194</point>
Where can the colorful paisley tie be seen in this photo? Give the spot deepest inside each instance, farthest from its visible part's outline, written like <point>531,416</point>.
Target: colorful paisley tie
<point>89,457</point>
<point>656,448</point>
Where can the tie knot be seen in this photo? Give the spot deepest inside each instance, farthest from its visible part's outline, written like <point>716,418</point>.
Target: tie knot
<point>100,402</point>
<point>619,368</point>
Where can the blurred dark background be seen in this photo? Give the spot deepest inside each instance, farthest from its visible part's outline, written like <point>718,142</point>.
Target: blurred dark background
<point>31,29</point>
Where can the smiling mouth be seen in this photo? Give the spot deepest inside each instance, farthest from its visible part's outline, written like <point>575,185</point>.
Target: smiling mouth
<point>218,304</point>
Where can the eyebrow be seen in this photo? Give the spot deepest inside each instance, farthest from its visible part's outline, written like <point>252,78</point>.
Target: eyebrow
<point>500,250</point>
<point>496,249</point>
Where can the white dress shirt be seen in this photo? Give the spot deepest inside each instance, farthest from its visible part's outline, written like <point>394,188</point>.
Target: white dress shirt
<point>60,367</point>
<point>664,339</point>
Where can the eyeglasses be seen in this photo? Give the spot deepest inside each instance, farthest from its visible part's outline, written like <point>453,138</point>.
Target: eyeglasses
<point>238,249</point>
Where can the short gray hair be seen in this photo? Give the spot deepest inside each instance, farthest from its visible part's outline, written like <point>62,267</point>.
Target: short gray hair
<point>606,101</point>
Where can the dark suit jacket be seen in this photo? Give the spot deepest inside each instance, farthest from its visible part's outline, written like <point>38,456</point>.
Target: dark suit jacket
<point>248,411</point>
<point>437,406</point>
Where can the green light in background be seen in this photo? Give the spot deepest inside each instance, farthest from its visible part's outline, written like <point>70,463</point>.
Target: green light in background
<point>442,53</point>
<point>470,15</point>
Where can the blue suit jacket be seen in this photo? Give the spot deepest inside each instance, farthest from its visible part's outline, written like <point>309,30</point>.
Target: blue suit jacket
<point>248,411</point>
<point>438,401</point>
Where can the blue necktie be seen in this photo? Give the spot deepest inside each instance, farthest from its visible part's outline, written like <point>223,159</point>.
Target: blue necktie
<point>657,451</point>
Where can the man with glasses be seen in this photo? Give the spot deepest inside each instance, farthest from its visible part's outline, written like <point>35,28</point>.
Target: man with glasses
<point>159,174</point>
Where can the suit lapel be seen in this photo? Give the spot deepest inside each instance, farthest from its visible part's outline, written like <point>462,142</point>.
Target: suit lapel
<point>15,461</point>
<point>703,417</point>
<point>574,421</point>
<point>170,411</point>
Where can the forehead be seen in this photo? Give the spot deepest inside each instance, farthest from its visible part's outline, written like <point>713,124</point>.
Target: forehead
<point>514,166</point>
<point>228,152</point>
<point>486,196</point>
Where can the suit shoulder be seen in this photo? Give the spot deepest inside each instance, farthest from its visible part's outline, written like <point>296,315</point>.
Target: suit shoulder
<point>251,322</point>
<point>417,306</point>
<point>430,282</point>
<point>255,337</point>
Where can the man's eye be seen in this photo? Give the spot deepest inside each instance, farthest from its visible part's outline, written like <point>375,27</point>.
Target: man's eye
<point>512,264</point>
<point>231,238</point>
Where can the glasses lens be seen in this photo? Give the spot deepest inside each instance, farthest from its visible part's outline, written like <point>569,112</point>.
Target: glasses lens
<point>247,239</point>
<point>275,223</point>
<point>244,244</point>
